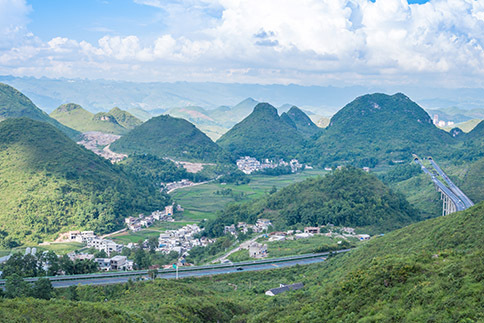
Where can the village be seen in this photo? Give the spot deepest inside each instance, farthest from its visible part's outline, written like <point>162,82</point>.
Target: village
<point>248,164</point>
<point>259,250</point>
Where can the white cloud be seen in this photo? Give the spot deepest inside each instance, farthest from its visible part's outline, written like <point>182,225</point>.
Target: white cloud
<point>306,41</point>
<point>13,20</point>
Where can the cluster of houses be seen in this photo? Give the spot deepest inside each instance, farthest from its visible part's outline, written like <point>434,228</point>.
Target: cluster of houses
<point>181,240</point>
<point>105,264</point>
<point>308,232</point>
<point>260,226</point>
<point>249,165</point>
<point>168,187</point>
<point>93,241</point>
<point>137,223</point>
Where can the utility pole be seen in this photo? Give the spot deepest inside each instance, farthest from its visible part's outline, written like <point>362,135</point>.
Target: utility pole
<point>176,267</point>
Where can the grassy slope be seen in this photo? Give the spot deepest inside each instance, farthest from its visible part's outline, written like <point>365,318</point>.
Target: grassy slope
<point>466,126</point>
<point>430,271</point>
<point>115,121</point>
<point>49,184</point>
<point>13,104</point>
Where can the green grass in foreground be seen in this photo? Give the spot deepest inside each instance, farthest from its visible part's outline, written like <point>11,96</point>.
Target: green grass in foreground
<point>200,202</point>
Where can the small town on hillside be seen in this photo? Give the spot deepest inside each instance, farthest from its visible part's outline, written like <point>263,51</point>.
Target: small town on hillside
<point>248,164</point>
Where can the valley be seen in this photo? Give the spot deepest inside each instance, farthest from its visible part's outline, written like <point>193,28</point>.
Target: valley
<point>346,204</point>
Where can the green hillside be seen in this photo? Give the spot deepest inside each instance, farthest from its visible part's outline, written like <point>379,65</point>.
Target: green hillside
<point>165,136</point>
<point>50,184</point>
<point>213,128</point>
<point>300,121</point>
<point>377,128</point>
<point>465,126</point>
<point>124,118</point>
<point>263,134</point>
<point>140,114</point>
<point>13,104</point>
<point>347,197</point>
<point>115,121</point>
<point>430,271</point>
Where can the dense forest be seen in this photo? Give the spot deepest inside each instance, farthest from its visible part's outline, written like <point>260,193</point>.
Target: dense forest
<point>165,136</point>
<point>263,134</point>
<point>379,128</point>
<point>158,170</point>
<point>50,184</point>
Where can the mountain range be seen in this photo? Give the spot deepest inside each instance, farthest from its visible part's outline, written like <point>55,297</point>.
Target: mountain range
<point>264,134</point>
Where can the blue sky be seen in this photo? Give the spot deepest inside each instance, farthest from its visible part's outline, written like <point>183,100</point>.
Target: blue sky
<point>322,42</point>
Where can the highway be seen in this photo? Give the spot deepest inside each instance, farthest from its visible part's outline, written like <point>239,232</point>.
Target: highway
<point>194,271</point>
<point>467,201</point>
<point>452,192</point>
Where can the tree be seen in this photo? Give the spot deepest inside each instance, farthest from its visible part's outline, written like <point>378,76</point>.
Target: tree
<point>42,289</point>
<point>16,287</point>
<point>152,273</point>
<point>152,244</point>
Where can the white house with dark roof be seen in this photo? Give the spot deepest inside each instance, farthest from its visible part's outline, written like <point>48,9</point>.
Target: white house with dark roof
<point>284,288</point>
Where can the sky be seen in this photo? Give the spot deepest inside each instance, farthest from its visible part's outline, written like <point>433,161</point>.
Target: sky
<point>436,43</point>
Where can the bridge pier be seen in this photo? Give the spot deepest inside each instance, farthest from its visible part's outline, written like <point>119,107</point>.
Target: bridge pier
<point>448,206</point>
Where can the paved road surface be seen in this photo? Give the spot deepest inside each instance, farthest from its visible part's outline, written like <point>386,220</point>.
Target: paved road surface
<point>181,274</point>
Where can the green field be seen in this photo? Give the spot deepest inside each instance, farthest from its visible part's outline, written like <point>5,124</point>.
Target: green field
<point>200,202</point>
<point>134,237</point>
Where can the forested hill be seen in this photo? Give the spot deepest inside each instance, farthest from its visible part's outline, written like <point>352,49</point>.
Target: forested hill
<point>263,134</point>
<point>13,104</point>
<point>300,121</point>
<point>51,184</point>
<point>378,128</point>
<point>431,271</point>
<point>477,133</point>
<point>115,121</point>
<point>166,136</point>
<point>346,197</point>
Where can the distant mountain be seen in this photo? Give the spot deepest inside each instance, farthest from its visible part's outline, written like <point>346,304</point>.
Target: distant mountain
<point>465,126</point>
<point>377,128</point>
<point>321,122</point>
<point>215,122</point>
<point>263,134</point>
<point>477,133</point>
<point>166,136</point>
<point>50,184</point>
<point>228,117</point>
<point>300,121</point>
<point>13,104</point>
<point>140,114</point>
<point>115,121</point>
